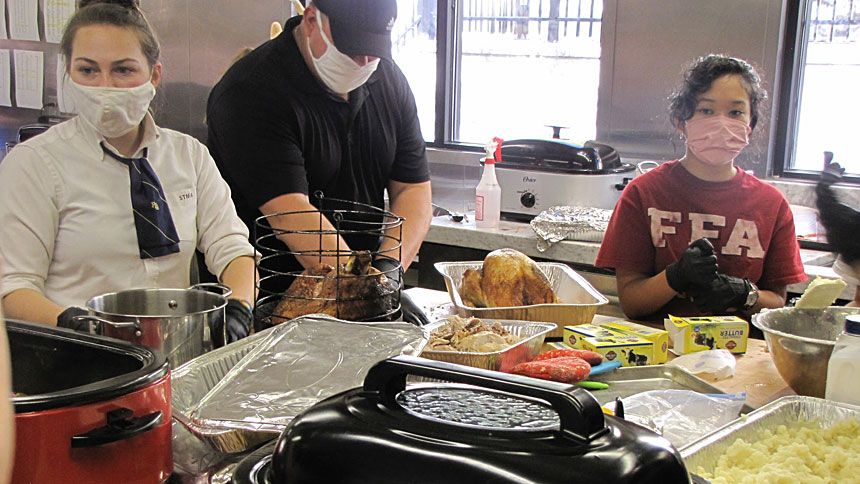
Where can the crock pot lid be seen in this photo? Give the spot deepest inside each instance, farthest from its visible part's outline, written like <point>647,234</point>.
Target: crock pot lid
<point>478,408</point>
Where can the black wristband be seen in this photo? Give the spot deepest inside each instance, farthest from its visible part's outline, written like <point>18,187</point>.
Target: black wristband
<point>66,319</point>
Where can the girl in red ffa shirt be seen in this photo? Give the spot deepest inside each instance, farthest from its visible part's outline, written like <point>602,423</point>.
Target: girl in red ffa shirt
<point>699,235</point>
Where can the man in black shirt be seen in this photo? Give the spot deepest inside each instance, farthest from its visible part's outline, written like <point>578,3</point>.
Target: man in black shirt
<point>322,107</point>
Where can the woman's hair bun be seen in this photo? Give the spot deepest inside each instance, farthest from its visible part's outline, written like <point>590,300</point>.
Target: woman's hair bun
<point>129,4</point>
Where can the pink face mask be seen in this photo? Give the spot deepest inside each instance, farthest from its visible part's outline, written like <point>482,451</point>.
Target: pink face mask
<point>717,140</point>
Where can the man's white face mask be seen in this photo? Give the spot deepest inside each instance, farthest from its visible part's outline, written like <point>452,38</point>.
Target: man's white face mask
<point>337,70</point>
<point>112,111</point>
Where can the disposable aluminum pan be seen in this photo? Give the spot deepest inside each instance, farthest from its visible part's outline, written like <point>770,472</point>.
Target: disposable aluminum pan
<point>533,334</point>
<point>579,299</point>
<point>705,451</point>
<point>241,398</point>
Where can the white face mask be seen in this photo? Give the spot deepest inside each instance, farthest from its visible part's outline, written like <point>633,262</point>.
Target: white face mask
<point>338,71</point>
<point>112,111</point>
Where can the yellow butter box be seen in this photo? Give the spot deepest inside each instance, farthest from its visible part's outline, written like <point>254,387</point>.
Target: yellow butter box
<point>700,333</point>
<point>628,348</point>
<point>659,337</point>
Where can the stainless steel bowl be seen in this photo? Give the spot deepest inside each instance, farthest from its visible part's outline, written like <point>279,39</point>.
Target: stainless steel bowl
<point>800,342</point>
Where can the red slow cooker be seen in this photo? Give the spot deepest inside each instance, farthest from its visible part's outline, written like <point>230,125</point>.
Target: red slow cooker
<point>88,409</point>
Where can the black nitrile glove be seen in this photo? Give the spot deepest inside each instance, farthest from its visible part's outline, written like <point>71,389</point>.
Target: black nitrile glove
<point>841,222</point>
<point>238,319</point>
<point>388,266</point>
<point>697,267</point>
<point>66,319</point>
<point>724,294</point>
<point>411,312</point>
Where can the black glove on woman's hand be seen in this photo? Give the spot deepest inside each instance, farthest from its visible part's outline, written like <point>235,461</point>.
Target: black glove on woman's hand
<point>66,319</point>
<point>841,222</point>
<point>697,267</point>
<point>724,294</point>
<point>237,320</point>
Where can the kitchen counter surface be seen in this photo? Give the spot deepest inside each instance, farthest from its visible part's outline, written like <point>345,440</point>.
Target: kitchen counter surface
<point>755,373</point>
<point>520,236</point>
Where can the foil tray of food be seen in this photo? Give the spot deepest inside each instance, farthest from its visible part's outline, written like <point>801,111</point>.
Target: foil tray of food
<point>490,344</point>
<point>247,392</point>
<point>473,286</point>
<point>789,437</point>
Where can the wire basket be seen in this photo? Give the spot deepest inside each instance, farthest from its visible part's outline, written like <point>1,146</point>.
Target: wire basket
<point>345,238</point>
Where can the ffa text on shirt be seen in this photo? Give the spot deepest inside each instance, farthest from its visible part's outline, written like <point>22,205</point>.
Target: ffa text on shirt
<point>744,233</point>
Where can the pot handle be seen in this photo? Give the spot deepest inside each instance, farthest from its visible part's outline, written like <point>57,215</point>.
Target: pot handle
<point>579,413</point>
<point>138,331</point>
<point>209,286</point>
<point>121,425</point>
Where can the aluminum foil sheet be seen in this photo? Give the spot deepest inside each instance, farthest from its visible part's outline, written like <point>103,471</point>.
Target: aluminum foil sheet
<point>298,364</point>
<point>533,334</point>
<point>705,451</point>
<point>558,223</point>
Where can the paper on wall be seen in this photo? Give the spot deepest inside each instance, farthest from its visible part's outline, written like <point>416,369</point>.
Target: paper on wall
<point>3,34</point>
<point>29,78</point>
<point>23,20</point>
<point>5,78</point>
<point>57,14</point>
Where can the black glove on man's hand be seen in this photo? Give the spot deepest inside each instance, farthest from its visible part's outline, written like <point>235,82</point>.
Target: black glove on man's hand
<point>724,294</point>
<point>841,222</point>
<point>388,266</point>
<point>65,319</point>
<point>411,313</point>
<point>697,267</point>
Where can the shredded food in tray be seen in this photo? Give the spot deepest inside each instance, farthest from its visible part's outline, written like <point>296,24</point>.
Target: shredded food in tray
<point>471,335</point>
<point>796,453</point>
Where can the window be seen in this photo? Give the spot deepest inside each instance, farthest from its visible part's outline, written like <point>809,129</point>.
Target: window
<point>516,68</point>
<point>821,74</point>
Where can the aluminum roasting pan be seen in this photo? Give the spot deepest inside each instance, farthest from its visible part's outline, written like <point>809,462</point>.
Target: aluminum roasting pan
<point>631,380</point>
<point>580,299</point>
<point>705,451</point>
<point>233,399</point>
<point>533,334</point>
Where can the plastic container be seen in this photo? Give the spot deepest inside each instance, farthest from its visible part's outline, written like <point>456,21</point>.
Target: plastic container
<point>488,194</point>
<point>844,365</point>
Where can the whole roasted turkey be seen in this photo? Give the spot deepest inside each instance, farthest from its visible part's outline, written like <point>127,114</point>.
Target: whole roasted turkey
<point>507,278</point>
<point>355,292</point>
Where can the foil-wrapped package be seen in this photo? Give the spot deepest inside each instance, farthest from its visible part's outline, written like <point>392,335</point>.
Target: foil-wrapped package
<point>231,399</point>
<point>558,223</point>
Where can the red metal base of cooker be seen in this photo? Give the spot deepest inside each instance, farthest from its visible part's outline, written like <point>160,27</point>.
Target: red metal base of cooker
<point>44,454</point>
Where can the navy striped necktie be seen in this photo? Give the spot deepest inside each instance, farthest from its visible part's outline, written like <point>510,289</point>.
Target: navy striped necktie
<point>156,233</point>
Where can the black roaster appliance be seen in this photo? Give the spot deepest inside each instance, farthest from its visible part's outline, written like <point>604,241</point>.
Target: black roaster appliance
<point>454,423</point>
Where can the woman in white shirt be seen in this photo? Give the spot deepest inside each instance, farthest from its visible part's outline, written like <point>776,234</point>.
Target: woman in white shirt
<point>109,201</point>
<point>7,413</point>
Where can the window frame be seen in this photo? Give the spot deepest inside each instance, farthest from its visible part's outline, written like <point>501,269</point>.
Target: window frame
<point>793,57</point>
<point>786,95</point>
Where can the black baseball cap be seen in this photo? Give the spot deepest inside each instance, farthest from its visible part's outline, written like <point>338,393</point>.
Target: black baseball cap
<point>360,27</point>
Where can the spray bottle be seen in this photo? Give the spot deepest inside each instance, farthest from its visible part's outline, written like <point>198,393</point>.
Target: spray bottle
<point>488,194</point>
